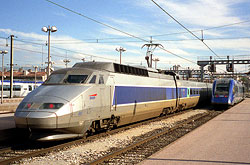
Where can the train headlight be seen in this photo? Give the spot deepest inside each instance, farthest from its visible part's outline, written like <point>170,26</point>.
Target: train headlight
<point>25,105</point>
<point>51,106</point>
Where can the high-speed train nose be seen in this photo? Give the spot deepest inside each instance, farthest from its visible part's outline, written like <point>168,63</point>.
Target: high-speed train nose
<point>45,120</point>
<point>43,114</point>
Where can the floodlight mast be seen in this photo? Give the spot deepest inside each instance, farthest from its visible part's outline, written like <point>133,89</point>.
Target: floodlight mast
<point>2,52</point>
<point>120,49</point>
<point>49,29</point>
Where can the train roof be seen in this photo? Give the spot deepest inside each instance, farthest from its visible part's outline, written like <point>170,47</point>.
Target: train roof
<point>108,66</point>
<point>113,67</point>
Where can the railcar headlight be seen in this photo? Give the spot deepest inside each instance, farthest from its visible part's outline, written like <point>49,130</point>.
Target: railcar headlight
<point>24,105</point>
<point>51,106</point>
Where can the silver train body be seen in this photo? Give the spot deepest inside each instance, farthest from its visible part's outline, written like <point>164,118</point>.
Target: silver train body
<point>96,95</point>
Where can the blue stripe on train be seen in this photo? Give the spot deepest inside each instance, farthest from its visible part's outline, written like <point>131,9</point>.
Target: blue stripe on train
<point>16,81</point>
<point>132,94</point>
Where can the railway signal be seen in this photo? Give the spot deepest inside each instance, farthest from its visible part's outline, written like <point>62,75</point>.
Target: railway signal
<point>212,68</point>
<point>230,67</point>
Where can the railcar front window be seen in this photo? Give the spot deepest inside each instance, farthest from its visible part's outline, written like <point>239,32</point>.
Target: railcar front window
<point>93,80</point>
<point>222,88</point>
<point>76,78</point>
<point>55,79</point>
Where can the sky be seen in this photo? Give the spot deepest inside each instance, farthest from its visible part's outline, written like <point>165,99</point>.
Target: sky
<point>93,29</point>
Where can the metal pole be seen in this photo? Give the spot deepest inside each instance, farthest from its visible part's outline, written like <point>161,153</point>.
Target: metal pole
<point>48,71</point>
<point>2,81</point>
<point>120,56</point>
<point>202,72</point>
<point>35,75</point>
<point>11,66</point>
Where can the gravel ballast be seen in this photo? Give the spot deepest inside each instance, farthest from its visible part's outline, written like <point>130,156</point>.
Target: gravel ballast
<point>99,147</point>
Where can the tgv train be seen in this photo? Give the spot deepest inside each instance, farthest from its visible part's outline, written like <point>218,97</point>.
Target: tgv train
<point>20,88</point>
<point>227,92</point>
<point>95,95</point>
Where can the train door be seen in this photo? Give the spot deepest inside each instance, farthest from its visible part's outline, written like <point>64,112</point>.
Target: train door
<point>112,94</point>
<point>24,90</point>
<point>104,93</point>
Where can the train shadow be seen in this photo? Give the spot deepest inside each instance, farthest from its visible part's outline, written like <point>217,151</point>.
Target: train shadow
<point>221,107</point>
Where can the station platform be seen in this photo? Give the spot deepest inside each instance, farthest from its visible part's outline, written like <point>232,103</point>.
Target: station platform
<point>7,121</point>
<point>222,140</point>
<point>9,105</point>
<point>7,126</point>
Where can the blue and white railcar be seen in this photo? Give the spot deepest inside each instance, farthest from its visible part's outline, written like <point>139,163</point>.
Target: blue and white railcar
<point>227,92</point>
<point>20,88</point>
<point>97,95</point>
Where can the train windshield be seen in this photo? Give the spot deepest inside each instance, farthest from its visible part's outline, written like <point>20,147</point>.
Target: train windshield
<point>222,88</point>
<point>63,79</point>
<point>76,78</point>
<point>55,79</point>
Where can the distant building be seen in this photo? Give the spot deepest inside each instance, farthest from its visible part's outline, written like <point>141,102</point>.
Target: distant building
<point>21,74</point>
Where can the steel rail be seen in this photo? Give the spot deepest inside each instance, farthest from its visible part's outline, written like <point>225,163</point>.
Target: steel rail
<point>136,144</point>
<point>79,141</point>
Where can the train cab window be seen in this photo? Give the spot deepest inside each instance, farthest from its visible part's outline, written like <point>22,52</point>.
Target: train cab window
<point>101,79</point>
<point>93,80</point>
<point>222,88</point>
<point>55,78</point>
<point>76,78</point>
<point>30,88</point>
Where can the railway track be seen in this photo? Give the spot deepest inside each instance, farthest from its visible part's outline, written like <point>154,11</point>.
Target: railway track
<point>12,154</point>
<point>142,149</point>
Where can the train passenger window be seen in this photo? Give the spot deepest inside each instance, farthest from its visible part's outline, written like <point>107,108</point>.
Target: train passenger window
<point>17,87</point>
<point>93,80</point>
<point>76,78</point>
<point>101,79</point>
<point>30,88</point>
<point>6,87</point>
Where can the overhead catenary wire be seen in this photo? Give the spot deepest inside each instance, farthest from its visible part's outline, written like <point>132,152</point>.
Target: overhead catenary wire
<point>183,27</point>
<point>156,40</point>
<point>94,20</point>
<point>85,54</point>
<point>156,35</point>
<point>128,41</point>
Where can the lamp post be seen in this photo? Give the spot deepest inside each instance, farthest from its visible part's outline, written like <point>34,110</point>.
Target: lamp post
<point>120,49</point>
<point>2,52</point>
<point>49,29</point>
<point>66,61</point>
<point>156,60</point>
<point>35,75</point>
